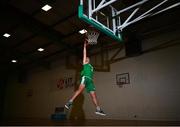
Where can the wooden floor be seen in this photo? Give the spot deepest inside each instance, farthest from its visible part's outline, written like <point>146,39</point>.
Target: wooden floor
<point>45,122</point>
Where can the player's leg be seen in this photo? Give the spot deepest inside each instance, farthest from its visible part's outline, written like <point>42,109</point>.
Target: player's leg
<point>91,90</point>
<point>99,111</point>
<point>94,98</point>
<point>77,92</point>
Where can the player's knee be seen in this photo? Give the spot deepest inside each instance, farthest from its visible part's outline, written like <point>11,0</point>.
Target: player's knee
<point>79,90</point>
<point>92,95</point>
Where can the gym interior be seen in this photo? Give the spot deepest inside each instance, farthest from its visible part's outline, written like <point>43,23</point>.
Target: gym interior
<point>137,79</point>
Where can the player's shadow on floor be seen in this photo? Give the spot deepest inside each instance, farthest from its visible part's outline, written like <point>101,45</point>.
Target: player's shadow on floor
<point>77,112</point>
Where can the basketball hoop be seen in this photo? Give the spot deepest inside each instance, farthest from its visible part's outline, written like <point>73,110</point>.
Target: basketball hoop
<point>92,36</point>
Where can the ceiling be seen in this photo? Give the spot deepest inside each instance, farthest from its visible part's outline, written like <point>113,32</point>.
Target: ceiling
<point>55,30</point>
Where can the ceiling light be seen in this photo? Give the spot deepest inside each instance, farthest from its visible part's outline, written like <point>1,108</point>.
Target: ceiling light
<point>46,7</point>
<point>40,49</point>
<point>14,61</point>
<point>83,31</point>
<point>6,35</point>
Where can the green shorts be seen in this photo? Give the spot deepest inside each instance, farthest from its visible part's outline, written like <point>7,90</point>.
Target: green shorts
<point>89,85</point>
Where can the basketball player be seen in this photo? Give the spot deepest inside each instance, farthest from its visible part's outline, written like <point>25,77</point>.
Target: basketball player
<point>86,82</point>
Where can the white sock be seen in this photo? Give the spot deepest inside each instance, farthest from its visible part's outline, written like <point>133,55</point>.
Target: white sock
<point>98,108</point>
<point>71,101</point>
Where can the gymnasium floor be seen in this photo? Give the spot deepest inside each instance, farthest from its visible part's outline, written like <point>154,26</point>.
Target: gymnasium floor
<point>45,122</point>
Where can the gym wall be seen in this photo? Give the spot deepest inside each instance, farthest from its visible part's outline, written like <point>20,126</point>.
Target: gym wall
<point>153,92</point>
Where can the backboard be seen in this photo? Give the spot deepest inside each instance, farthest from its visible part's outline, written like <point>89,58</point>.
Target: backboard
<point>108,15</point>
<point>98,15</point>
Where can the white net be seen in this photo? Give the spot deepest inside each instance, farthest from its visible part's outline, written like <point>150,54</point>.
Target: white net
<point>92,36</point>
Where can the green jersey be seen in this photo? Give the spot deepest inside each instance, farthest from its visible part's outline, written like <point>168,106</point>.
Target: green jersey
<point>87,71</point>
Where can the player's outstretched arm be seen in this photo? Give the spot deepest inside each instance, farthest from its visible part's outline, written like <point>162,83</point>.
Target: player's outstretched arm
<point>84,52</point>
